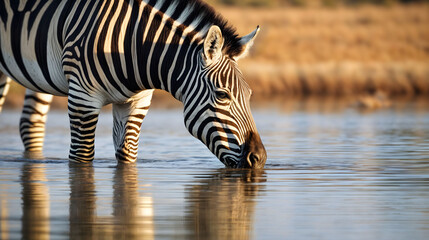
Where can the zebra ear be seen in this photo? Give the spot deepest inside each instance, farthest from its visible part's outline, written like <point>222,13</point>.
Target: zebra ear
<point>246,43</point>
<point>213,45</point>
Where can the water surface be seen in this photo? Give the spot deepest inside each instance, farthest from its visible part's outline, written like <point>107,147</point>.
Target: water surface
<point>329,175</point>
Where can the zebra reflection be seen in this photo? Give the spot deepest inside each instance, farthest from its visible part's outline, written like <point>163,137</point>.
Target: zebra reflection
<point>83,199</point>
<point>222,205</point>
<point>132,212</point>
<point>35,202</point>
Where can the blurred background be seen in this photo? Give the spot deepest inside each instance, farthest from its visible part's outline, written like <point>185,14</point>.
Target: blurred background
<point>368,53</point>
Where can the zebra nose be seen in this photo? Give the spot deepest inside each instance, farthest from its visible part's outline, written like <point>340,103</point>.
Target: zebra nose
<point>255,152</point>
<point>252,159</point>
<point>257,158</point>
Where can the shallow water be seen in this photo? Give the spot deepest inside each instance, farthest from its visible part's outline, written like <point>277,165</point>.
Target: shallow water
<point>329,175</point>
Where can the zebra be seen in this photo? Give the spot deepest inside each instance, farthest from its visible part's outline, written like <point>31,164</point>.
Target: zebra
<point>117,52</point>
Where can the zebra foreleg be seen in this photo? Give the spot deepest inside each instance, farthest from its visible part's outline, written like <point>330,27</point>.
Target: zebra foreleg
<point>4,88</point>
<point>83,113</point>
<point>127,120</point>
<point>32,123</point>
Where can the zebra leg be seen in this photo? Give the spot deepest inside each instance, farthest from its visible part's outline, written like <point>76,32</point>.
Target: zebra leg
<point>33,119</point>
<point>83,113</point>
<point>4,88</point>
<point>127,120</point>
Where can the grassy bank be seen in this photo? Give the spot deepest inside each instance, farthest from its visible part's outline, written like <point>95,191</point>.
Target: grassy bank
<point>311,3</point>
<point>338,51</point>
<point>339,79</point>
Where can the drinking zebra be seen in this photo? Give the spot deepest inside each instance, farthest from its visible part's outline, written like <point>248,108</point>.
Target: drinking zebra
<point>102,52</point>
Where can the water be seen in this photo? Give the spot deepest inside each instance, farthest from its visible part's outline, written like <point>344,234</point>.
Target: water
<point>329,175</point>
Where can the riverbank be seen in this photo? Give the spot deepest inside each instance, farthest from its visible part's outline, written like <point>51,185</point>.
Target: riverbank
<point>337,51</point>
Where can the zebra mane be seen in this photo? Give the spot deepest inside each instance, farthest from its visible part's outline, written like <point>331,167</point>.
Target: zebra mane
<point>207,16</point>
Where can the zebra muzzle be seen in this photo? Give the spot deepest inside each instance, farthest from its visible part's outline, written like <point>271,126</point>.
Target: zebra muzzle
<point>254,153</point>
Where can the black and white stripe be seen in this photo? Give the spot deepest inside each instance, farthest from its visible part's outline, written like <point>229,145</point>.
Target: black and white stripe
<point>4,88</point>
<point>102,52</point>
<point>33,117</point>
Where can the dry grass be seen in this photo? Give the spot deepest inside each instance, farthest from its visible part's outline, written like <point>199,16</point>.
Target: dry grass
<point>339,51</point>
<point>339,79</point>
<point>314,35</point>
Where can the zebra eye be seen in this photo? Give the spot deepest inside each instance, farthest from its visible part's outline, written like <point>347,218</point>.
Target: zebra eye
<point>222,95</point>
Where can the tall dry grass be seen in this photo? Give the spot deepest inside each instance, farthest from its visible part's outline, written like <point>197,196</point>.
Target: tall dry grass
<point>337,51</point>
<point>338,79</point>
<point>310,3</point>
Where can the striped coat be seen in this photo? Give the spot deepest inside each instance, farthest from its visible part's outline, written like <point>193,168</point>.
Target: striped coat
<point>116,52</point>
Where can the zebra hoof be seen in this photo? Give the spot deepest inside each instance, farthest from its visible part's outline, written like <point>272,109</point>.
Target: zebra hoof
<point>123,158</point>
<point>80,161</point>
<point>37,155</point>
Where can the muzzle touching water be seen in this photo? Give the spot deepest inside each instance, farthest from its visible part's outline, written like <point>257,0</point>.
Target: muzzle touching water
<point>253,154</point>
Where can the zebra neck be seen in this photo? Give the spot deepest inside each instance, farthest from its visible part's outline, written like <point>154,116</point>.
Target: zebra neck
<point>168,53</point>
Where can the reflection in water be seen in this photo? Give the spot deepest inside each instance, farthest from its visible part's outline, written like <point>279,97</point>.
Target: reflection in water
<point>82,201</point>
<point>222,204</point>
<point>35,202</point>
<point>4,224</point>
<point>344,176</point>
<point>133,215</point>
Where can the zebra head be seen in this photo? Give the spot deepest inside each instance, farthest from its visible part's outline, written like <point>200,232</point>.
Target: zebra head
<point>218,112</point>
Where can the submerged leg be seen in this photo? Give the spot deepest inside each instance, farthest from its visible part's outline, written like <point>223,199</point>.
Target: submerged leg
<point>127,120</point>
<point>33,119</point>
<point>83,113</point>
<point>4,88</point>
